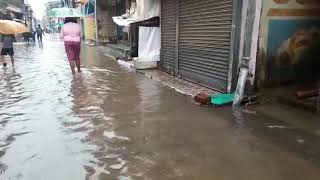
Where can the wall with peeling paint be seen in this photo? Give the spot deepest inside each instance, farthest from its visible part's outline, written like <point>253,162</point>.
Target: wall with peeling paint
<point>106,26</point>
<point>289,30</point>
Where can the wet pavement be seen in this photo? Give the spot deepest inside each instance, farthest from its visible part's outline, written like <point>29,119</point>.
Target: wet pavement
<point>110,123</point>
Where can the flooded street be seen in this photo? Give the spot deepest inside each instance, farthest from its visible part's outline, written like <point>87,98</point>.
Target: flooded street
<point>111,123</point>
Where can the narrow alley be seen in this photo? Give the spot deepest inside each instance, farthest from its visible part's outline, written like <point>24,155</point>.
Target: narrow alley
<point>111,123</point>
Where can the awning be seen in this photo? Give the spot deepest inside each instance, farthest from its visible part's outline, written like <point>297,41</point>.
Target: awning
<point>14,9</point>
<point>121,21</point>
<point>143,10</point>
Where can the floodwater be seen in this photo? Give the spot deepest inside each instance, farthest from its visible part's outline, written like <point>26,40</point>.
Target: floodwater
<point>110,123</point>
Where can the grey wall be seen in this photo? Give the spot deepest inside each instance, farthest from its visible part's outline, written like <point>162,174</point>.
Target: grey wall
<point>18,3</point>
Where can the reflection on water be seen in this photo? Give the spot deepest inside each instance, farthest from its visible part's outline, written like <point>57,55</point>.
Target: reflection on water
<point>109,123</point>
<point>318,99</point>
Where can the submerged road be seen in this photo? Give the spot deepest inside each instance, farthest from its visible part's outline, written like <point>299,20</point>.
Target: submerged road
<point>110,123</point>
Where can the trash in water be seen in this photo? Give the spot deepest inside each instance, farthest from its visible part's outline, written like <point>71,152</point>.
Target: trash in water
<point>203,99</point>
<point>222,99</point>
<point>278,127</point>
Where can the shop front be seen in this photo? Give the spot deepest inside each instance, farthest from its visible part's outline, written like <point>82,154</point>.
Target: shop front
<point>200,41</point>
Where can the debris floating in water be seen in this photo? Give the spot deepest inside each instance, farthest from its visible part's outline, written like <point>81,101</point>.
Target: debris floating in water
<point>301,141</point>
<point>278,127</point>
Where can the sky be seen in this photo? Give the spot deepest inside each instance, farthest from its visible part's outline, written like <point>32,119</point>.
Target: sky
<point>38,7</point>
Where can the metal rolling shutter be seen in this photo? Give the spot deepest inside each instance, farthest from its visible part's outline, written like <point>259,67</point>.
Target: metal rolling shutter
<point>205,30</point>
<point>168,35</point>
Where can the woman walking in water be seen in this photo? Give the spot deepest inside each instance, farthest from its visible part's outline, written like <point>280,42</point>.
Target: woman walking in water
<point>70,33</point>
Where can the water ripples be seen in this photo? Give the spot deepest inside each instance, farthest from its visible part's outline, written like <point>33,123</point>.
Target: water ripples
<point>42,96</point>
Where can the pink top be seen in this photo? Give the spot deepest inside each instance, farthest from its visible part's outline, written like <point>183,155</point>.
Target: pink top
<point>71,32</point>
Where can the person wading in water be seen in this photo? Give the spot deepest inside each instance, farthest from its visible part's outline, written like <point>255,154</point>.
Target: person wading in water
<point>7,48</point>
<point>71,35</point>
<point>40,32</point>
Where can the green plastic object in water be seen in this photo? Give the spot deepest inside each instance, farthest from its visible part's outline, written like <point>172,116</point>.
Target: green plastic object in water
<point>222,99</point>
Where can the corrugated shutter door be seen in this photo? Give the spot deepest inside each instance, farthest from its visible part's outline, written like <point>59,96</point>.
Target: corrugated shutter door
<point>205,41</point>
<point>168,35</point>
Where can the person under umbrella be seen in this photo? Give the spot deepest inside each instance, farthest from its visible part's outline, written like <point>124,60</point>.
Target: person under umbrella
<point>7,48</point>
<point>71,33</point>
<point>8,28</point>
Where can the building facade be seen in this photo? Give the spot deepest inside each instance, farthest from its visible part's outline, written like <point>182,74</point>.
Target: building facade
<point>206,41</point>
<point>48,20</point>
<point>69,3</point>
<point>200,41</point>
<point>12,9</point>
<point>29,17</point>
<point>97,21</point>
<point>289,43</point>
<point>107,30</point>
<point>17,10</point>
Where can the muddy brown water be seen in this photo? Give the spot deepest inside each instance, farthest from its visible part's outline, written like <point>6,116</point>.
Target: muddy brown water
<point>110,123</point>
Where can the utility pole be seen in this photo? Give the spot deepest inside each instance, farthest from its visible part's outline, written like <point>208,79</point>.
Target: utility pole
<point>73,3</point>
